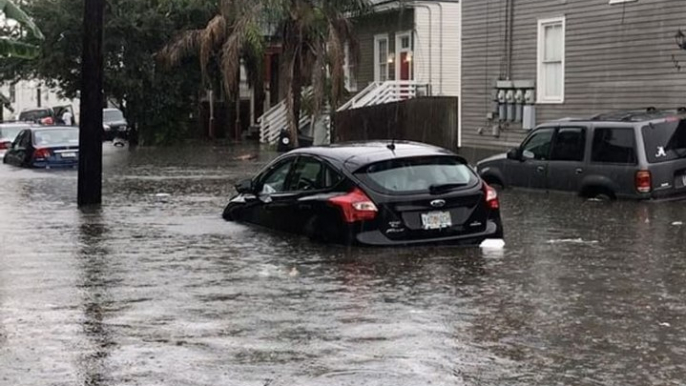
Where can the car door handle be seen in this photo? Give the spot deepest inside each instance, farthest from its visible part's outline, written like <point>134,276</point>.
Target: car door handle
<point>540,169</point>
<point>579,171</point>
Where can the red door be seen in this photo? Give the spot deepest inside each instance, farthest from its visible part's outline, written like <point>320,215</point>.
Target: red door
<point>405,63</point>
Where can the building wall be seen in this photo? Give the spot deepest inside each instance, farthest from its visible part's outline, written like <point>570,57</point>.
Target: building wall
<point>618,56</point>
<point>25,97</point>
<point>389,22</point>
<point>437,46</point>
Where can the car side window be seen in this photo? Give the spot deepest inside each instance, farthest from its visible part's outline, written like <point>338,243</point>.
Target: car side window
<point>22,140</point>
<point>614,145</point>
<point>538,145</point>
<point>274,181</point>
<point>570,143</point>
<point>311,174</point>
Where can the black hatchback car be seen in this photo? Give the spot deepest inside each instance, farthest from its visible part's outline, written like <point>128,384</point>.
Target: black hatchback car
<point>371,193</point>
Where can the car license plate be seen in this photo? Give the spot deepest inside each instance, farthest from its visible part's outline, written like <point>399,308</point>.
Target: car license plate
<point>436,220</point>
<point>68,155</point>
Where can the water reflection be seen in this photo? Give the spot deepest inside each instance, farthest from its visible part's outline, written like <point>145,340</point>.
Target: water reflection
<point>94,282</point>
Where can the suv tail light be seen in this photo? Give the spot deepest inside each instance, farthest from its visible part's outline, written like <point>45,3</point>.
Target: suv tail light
<point>41,153</point>
<point>356,206</point>
<point>491,196</point>
<point>644,182</point>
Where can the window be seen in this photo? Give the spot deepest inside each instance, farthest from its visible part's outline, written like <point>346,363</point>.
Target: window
<point>551,60</point>
<point>538,145</point>
<point>665,141</point>
<point>614,145</point>
<point>414,175</point>
<point>13,93</point>
<point>275,179</point>
<point>381,58</point>
<point>349,70</point>
<point>569,145</point>
<point>311,174</point>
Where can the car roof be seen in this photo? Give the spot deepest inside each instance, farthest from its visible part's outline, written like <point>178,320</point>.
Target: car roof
<point>357,154</point>
<point>647,115</point>
<point>47,128</point>
<point>110,109</point>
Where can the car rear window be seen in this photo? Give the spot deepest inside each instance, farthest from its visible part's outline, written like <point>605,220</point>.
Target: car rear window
<point>417,175</point>
<point>112,115</point>
<point>56,137</point>
<point>665,141</point>
<point>34,115</point>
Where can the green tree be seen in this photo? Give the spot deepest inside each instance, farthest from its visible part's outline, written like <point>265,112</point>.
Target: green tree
<point>313,32</point>
<point>13,34</point>
<point>155,100</point>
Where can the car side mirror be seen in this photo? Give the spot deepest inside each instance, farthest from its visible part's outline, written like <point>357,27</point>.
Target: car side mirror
<point>514,154</point>
<point>245,186</point>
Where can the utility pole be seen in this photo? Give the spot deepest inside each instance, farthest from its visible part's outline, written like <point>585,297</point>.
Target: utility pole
<point>90,134</point>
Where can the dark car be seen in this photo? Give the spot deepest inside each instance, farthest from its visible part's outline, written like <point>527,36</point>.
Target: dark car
<point>45,147</point>
<point>371,193</point>
<point>114,124</point>
<point>630,154</point>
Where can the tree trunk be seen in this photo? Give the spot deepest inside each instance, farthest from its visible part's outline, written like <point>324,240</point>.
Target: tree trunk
<point>90,134</point>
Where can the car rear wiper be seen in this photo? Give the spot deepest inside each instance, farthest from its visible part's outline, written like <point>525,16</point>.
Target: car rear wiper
<point>441,188</point>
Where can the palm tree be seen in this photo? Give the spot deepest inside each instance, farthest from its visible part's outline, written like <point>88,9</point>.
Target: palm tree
<point>10,39</point>
<point>232,36</point>
<point>314,35</point>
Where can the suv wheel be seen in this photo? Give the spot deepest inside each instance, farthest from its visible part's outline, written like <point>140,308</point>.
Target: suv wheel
<point>599,193</point>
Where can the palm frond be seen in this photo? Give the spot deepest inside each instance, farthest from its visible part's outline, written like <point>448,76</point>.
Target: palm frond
<point>13,12</point>
<point>212,37</point>
<point>184,45</point>
<point>16,49</point>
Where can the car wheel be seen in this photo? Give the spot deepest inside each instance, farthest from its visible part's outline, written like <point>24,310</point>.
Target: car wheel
<point>598,194</point>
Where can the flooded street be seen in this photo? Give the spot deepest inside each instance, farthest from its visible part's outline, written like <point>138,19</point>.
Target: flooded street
<point>150,291</point>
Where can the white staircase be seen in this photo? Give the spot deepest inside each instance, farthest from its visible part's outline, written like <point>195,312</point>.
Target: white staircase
<point>276,119</point>
<point>378,93</point>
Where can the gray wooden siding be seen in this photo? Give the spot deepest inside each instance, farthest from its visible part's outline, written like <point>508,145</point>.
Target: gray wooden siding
<point>366,28</point>
<point>617,56</point>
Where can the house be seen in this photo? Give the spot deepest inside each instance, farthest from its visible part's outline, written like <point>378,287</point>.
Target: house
<point>525,62</point>
<point>29,94</point>
<point>407,49</point>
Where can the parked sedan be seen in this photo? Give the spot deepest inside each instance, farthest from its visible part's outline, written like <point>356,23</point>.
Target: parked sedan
<point>45,147</point>
<point>371,193</point>
<point>8,132</point>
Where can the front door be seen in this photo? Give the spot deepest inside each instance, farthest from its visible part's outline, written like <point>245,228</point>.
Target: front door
<point>532,169</point>
<point>403,44</point>
<point>566,167</point>
<point>19,151</point>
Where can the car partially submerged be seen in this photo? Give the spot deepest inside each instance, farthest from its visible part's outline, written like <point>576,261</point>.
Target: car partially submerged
<point>378,193</point>
<point>8,132</point>
<point>45,147</point>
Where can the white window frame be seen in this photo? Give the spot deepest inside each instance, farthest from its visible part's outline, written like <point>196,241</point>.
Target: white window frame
<point>377,64</point>
<point>541,98</point>
<point>399,50</point>
<point>349,70</point>
<point>622,1</point>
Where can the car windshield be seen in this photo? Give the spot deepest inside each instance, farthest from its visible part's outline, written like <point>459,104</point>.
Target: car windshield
<point>417,175</point>
<point>50,137</point>
<point>112,115</point>
<point>10,132</point>
<point>665,141</point>
<point>34,115</point>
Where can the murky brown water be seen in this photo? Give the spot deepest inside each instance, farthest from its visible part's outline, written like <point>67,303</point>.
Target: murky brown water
<point>143,292</point>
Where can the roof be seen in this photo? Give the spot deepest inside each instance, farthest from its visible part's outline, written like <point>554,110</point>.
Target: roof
<point>357,154</point>
<point>45,128</point>
<point>631,116</point>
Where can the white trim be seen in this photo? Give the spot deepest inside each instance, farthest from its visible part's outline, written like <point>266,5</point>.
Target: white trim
<point>459,87</point>
<point>622,1</point>
<point>540,98</point>
<point>377,39</point>
<point>399,50</point>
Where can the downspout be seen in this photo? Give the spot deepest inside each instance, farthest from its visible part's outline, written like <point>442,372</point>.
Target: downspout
<point>511,40</point>
<point>431,79</point>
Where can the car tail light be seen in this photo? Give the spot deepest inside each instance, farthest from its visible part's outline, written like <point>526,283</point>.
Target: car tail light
<point>644,182</point>
<point>41,153</point>
<point>4,145</point>
<point>356,206</point>
<point>491,197</point>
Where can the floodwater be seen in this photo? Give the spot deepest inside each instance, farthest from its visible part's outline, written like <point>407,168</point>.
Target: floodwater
<point>162,291</point>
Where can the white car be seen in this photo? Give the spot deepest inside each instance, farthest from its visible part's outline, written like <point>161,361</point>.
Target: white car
<point>8,132</point>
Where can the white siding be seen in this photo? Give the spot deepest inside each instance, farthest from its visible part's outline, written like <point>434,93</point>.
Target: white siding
<point>437,46</point>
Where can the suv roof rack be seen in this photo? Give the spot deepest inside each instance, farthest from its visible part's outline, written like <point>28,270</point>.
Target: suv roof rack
<point>647,114</point>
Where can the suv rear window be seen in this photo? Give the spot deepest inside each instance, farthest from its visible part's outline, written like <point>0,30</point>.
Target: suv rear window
<point>665,141</point>
<point>614,146</point>
<point>417,175</point>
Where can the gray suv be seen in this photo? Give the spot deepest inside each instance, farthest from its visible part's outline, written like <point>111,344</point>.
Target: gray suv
<point>630,154</point>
